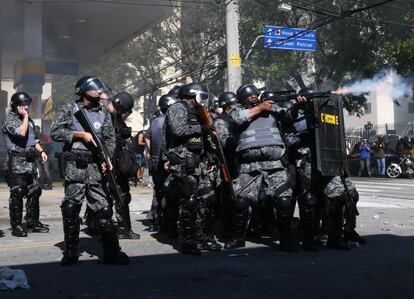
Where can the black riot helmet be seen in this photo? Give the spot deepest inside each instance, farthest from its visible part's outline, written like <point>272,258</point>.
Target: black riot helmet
<point>213,103</point>
<point>166,101</point>
<point>267,96</point>
<point>123,102</point>
<point>175,91</point>
<point>246,91</point>
<point>227,98</point>
<point>20,98</point>
<point>88,83</point>
<point>195,91</point>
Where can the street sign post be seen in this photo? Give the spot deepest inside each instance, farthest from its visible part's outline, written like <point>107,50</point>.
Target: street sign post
<point>297,39</point>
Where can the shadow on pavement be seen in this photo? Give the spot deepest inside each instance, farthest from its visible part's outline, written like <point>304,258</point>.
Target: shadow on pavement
<point>382,269</point>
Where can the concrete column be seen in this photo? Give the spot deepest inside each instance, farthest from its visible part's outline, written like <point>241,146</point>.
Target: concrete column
<point>30,73</point>
<point>234,72</point>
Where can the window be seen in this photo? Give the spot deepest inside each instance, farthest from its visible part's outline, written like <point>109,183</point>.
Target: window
<point>367,108</point>
<point>410,107</point>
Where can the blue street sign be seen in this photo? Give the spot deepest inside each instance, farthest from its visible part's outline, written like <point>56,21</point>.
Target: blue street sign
<point>277,37</point>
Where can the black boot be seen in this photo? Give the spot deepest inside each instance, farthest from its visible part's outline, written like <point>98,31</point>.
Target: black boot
<point>188,232</point>
<point>32,215</point>
<point>123,219</point>
<point>241,221</point>
<point>284,223</point>
<point>211,244</point>
<point>71,227</point>
<point>307,222</point>
<point>336,221</point>
<point>353,236</point>
<point>112,253</point>
<point>16,214</point>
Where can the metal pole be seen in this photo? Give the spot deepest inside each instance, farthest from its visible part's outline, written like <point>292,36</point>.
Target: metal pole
<point>234,72</point>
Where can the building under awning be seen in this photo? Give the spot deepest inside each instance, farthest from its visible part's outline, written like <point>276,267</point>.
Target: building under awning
<point>46,37</point>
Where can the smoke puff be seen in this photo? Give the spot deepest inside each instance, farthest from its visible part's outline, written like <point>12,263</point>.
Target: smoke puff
<point>387,83</point>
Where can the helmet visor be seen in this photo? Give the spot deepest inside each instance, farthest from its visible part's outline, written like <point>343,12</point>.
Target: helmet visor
<point>201,97</point>
<point>26,102</point>
<point>94,84</point>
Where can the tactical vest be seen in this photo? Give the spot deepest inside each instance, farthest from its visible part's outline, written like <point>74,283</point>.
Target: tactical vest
<point>261,132</point>
<point>194,144</point>
<point>96,118</point>
<point>19,142</point>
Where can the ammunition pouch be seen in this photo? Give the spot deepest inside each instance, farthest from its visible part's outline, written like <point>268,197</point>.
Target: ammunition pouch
<point>81,160</point>
<point>29,155</point>
<point>188,164</point>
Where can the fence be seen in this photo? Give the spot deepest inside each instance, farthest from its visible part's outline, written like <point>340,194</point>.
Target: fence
<point>401,129</point>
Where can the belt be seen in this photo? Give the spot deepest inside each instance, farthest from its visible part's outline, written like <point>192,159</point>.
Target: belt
<point>22,154</point>
<point>76,157</point>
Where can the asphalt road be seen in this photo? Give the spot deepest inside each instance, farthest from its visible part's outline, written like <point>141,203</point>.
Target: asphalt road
<point>384,268</point>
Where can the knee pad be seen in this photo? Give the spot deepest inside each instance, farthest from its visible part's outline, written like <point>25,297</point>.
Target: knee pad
<point>284,203</point>
<point>307,200</point>
<point>18,192</point>
<point>105,219</point>
<point>190,203</point>
<point>104,213</point>
<point>70,209</point>
<point>241,204</point>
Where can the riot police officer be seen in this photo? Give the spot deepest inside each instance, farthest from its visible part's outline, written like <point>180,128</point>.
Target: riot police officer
<point>153,140</point>
<point>297,140</point>
<point>120,107</point>
<point>21,172</point>
<point>192,167</point>
<point>262,175</point>
<point>228,137</point>
<point>84,172</point>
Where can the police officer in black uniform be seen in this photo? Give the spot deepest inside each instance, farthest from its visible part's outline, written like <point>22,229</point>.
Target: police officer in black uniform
<point>21,172</point>
<point>84,172</point>
<point>120,107</point>
<point>153,142</point>
<point>262,177</point>
<point>193,167</point>
<point>228,137</point>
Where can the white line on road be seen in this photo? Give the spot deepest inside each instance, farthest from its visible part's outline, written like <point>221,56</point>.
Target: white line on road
<point>382,183</point>
<point>379,187</point>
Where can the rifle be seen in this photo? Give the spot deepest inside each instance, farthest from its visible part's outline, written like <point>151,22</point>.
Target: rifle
<point>288,95</point>
<point>208,122</point>
<point>102,152</point>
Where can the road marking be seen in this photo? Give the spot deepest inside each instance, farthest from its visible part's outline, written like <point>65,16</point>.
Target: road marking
<point>368,190</point>
<point>368,204</point>
<point>383,183</point>
<point>379,187</point>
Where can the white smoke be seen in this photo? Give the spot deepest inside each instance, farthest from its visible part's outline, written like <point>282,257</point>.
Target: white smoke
<point>386,83</point>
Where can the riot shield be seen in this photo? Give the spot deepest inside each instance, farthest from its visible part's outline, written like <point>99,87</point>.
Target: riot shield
<point>329,136</point>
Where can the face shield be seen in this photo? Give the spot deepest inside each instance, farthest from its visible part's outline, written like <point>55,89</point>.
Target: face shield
<point>26,102</point>
<point>201,97</point>
<point>94,84</point>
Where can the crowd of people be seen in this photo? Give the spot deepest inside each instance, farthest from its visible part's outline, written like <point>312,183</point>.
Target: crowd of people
<point>378,151</point>
<point>245,159</point>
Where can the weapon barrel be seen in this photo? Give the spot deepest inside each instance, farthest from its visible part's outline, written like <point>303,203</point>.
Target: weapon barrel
<point>288,96</point>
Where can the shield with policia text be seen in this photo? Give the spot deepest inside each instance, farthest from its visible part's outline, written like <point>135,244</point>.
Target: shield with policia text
<point>330,136</point>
